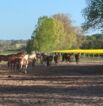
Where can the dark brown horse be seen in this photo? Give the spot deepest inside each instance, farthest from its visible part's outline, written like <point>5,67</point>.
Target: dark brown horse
<point>14,59</point>
<point>3,58</point>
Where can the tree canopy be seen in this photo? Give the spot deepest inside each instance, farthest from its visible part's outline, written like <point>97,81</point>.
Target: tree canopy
<point>54,33</point>
<point>93,14</point>
<point>94,41</point>
<point>48,35</point>
<point>68,28</point>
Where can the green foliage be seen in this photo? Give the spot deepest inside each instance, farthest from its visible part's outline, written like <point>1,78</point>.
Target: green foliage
<point>43,37</point>
<point>54,33</point>
<point>73,35</point>
<point>93,42</point>
<point>12,46</point>
<point>29,46</point>
<point>59,35</point>
<point>93,14</point>
<point>48,35</point>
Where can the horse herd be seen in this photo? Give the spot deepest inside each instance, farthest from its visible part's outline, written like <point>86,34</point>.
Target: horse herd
<point>21,60</point>
<point>18,61</point>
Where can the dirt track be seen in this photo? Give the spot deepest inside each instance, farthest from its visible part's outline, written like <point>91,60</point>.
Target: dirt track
<point>69,85</point>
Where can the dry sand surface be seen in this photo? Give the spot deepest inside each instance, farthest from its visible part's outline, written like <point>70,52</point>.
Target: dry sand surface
<point>62,85</point>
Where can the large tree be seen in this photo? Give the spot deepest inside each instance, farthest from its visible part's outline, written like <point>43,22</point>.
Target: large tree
<point>93,14</point>
<point>48,34</point>
<point>29,46</point>
<point>73,35</point>
<point>55,33</point>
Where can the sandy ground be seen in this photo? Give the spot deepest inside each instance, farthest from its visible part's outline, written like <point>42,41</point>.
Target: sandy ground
<point>61,85</point>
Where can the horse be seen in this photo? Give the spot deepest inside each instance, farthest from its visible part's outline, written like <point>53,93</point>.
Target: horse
<point>13,60</point>
<point>77,56</point>
<point>43,58</point>
<point>23,63</point>
<point>18,61</point>
<point>56,58</point>
<point>3,58</point>
<point>32,59</point>
<point>26,60</point>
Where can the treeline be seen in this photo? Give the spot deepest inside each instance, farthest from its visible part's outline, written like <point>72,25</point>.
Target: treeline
<point>94,41</point>
<point>58,33</point>
<point>12,45</point>
<point>89,42</point>
<point>54,33</point>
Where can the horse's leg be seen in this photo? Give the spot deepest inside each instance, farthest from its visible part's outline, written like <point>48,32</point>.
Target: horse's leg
<point>13,66</point>
<point>25,70</point>
<point>26,66</point>
<point>33,62</point>
<point>21,67</point>
<point>18,67</point>
<point>8,64</point>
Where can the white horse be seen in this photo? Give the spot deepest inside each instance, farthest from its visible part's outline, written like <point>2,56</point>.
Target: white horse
<point>26,60</point>
<point>32,58</point>
<point>24,63</point>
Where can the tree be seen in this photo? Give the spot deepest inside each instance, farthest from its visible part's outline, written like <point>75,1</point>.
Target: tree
<point>59,34</point>
<point>43,34</point>
<point>93,14</point>
<point>93,42</point>
<point>29,47</point>
<point>48,34</point>
<point>79,38</point>
<point>55,33</point>
<point>73,35</point>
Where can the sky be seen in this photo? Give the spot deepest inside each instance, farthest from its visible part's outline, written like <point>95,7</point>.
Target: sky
<point>19,17</point>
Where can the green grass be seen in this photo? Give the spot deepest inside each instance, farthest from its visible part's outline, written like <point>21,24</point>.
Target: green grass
<point>8,52</point>
<point>88,59</point>
<point>91,59</point>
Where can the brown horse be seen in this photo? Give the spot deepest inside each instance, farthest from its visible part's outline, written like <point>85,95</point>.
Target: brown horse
<point>13,60</point>
<point>19,61</point>
<point>3,58</point>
